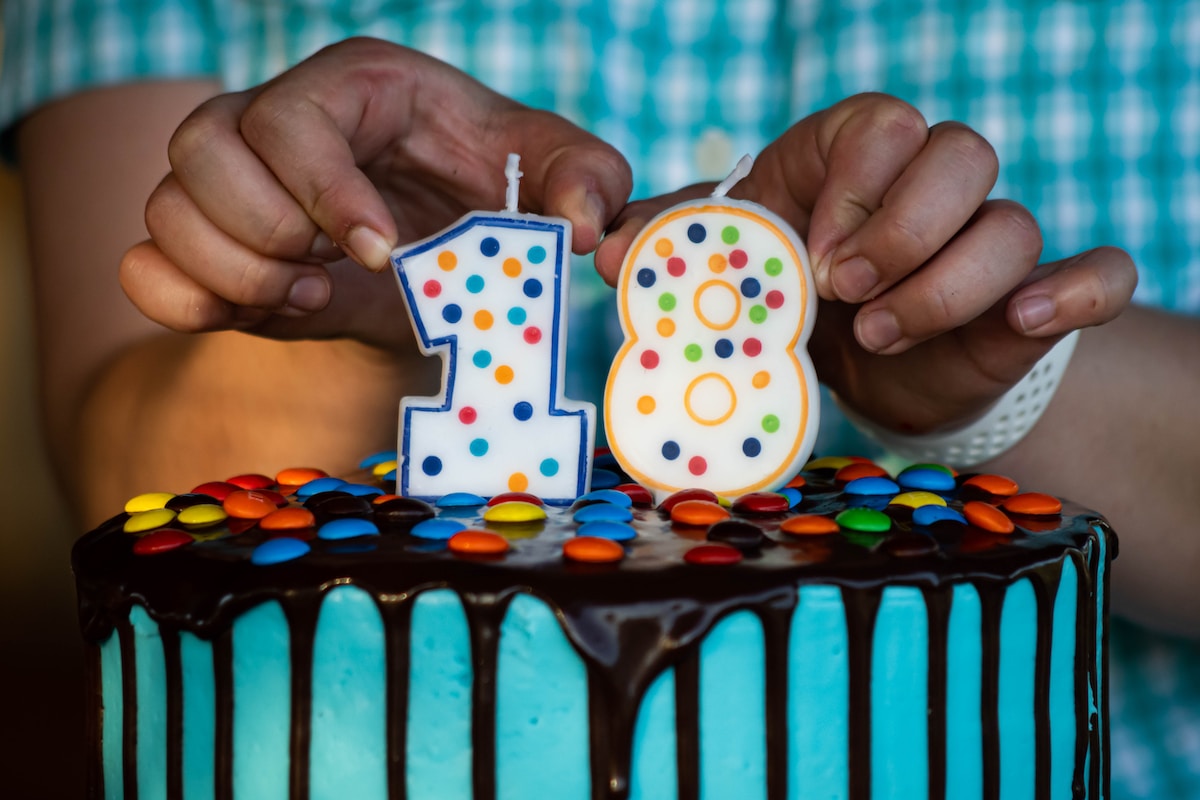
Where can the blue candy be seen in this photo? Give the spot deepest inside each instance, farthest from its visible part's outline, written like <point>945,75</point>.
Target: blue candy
<point>437,528</point>
<point>460,500</point>
<point>347,528</point>
<point>361,490</point>
<point>872,486</point>
<point>276,551</point>
<point>926,479</point>
<point>793,495</point>
<point>320,485</point>
<point>377,458</point>
<point>605,479</point>
<point>603,512</point>
<point>617,531</point>
<point>607,496</point>
<point>928,515</point>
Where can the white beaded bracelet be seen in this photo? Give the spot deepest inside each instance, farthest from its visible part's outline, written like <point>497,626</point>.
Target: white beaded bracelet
<point>1004,424</point>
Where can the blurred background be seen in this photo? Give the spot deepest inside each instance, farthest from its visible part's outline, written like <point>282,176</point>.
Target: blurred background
<point>41,654</point>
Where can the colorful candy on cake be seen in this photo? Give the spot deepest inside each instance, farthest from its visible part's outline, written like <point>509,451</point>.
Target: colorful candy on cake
<point>703,610</point>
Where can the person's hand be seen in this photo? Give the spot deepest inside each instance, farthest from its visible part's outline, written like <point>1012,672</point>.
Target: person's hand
<point>932,300</point>
<point>275,192</point>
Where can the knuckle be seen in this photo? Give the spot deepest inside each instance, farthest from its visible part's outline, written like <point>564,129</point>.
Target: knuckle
<point>967,151</point>
<point>1019,228</point>
<point>895,118</point>
<point>194,135</point>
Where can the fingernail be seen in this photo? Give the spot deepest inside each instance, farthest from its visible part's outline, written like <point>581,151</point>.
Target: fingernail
<point>368,248</point>
<point>595,208</point>
<point>324,248</point>
<point>854,279</point>
<point>1034,312</point>
<point>878,330</point>
<point>310,293</point>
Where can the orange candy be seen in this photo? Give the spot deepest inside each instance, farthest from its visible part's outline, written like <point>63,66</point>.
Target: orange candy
<point>987,516</point>
<point>858,469</point>
<point>809,525</point>
<point>287,519</point>
<point>797,482</point>
<point>698,512</point>
<point>298,476</point>
<point>593,550</point>
<point>993,484</point>
<point>246,504</point>
<point>477,543</point>
<point>1033,503</point>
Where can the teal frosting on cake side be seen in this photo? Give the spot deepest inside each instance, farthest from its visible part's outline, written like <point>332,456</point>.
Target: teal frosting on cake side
<point>348,748</point>
<point>964,728</point>
<point>654,742</point>
<point>112,699</point>
<point>262,717</point>
<point>1063,678</point>
<point>199,717</point>
<point>1018,651</point>
<point>899,696</point>
<point>733,761</point>
<point>151,705</point>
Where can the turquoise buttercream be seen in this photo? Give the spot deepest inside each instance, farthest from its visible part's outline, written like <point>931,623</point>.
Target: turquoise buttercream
<point>733,739</point>
<point>439,699</point>
<point>899,696</point>
<point>654,742</point>
<point>199,717</point>
<point>262,685</point>
<point>112,746</point>
<point>964,690</point>
<point>348,753</point>
<point>541,708</point>
<point>1018,656</point>
<point>819,697</point>
<point>151,674</point>
<point>1062,678</point>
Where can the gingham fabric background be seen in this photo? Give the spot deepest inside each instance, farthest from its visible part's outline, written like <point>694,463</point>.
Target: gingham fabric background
<point>1093,107</point>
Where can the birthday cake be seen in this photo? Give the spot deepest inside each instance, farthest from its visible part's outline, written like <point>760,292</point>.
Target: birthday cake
<point>852,635</point>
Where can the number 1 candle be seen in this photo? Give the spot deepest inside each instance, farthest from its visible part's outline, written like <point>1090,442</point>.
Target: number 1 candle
<point>488,295</point>
<point>713,387</point>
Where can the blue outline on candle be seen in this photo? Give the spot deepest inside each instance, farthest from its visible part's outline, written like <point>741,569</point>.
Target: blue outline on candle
<point>448,345</point>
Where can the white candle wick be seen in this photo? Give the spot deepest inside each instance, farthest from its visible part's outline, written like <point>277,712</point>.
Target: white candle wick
<point>513,173</point>
<point>740,170</point>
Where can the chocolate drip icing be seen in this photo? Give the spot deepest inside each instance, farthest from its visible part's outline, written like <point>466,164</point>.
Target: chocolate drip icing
<point>1083,672</point>
<point>485,612</point>
<point>129,724</point>
<point>861,607</point>
<point>222,651</point>
<point>1045,588</point>
<point>174,671</point>
<point>302,627</point>
<point>991,603</point>
<point>687,724</point>
<point>937,609</point>
<point>397,622</point>
<point>94,722</point>
<point>776,619</point>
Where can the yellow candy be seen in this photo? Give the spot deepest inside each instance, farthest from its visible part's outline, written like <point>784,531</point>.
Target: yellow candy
<point>514,511</point>
<point>147,502</point>
<point>918,499</point>
<point>202,515</point>
<point>383,468</point>
<point>829,462</point>
<point>149,520</point>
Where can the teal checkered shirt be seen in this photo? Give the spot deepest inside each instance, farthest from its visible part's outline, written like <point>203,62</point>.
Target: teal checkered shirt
<point>1093,108</point>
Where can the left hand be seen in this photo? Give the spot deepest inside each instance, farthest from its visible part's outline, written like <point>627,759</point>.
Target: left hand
<point>932,301</point>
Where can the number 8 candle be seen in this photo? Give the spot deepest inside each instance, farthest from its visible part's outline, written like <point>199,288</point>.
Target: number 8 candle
<point>488,295</point>
<point>713,387</point>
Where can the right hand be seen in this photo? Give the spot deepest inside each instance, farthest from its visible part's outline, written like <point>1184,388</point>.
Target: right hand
<point>276,190</point>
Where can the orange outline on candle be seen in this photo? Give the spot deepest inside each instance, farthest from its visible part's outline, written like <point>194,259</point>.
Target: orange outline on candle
<point>737,304</point>
<point>687,399</point>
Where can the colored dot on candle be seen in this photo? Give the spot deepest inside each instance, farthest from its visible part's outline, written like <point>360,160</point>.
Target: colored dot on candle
<point>666,327</point>
<point>758,314</point>
<point>482,358</point>
<point>512,267</point>
<point>773,267</point>
<point>774,298</point>
<point>670,451</point>
<point>723,348</point>
<point>533,334</point>
<point>536,254</point>
<point>645,404</point>
<point>517,482</point>
<point>516,315</point>
<point>770,423</point>
<point>523,410</point>
<point>729,234</point>
<point>752,347</point>
<point>489,246</point>
<point>646,277</point>
<point>475,284</point>
<point>447,260</point>
<point>666,301</point>
<point>483,319</point>
<point>752,447</point>
<point>432,288</point>
<point>751,287</point>
<point>697,465</point>
<point>650,359</point>
<point>664,248</point>
<point>692,352</point>
<point>532,288</point>
<point>738,259</point>
<point>504,374</point>
<point>696,232</point>
<point>467,415</point>
<point>479,447</point>
<point>761,380</point>
<point>717,262</point>
<point>432,465</point>
<point>549,467</point>
<point>676,266</point>
<point>452,313</point>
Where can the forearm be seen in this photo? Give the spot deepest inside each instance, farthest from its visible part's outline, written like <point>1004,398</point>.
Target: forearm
<point>1122,436</point>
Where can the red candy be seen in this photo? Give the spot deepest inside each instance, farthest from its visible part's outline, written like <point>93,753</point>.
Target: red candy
<point>161,541</point>
<point>515,497</point>
<point>761,503</point>
<point>251,481</point>
<point>217,490</point>
<point>687,494</point>
<point>639,494</point>
<point>713,554</point>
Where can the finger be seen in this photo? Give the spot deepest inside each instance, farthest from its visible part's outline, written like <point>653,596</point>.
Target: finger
<point>629,223</point>
<point>926,205</point>
<point>224,266</point>
<point>1088,289</point>
<point>968,276</point>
